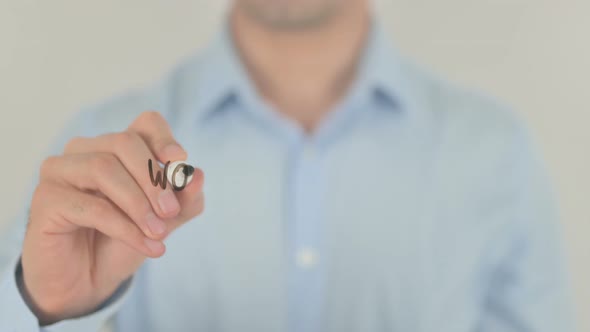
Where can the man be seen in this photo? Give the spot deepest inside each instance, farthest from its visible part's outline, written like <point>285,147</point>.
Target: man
<point>346,191</point>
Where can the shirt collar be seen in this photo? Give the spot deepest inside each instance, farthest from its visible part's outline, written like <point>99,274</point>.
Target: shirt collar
<point>222,76</point>
<point>223,79</point>
<point>380,76</point>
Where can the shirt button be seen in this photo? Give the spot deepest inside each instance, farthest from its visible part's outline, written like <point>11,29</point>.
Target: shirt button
<point>306,258</point>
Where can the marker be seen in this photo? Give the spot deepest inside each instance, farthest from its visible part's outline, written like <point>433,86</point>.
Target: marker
<point>180,174</point>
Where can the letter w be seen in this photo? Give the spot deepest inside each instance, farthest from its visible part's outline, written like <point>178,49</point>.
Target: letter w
<point>159,179</point>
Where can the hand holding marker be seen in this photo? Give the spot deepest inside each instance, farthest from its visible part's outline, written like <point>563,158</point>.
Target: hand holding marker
<point>95,216</point>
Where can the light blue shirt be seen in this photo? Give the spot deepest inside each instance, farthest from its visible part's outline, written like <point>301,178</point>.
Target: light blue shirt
<point>416,206</point>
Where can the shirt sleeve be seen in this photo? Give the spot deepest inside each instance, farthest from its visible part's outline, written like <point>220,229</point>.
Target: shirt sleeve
<point>530,286</point>
<point>15,315</point>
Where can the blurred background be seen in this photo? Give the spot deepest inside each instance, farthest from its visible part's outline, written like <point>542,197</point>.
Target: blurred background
<point>57,56</point>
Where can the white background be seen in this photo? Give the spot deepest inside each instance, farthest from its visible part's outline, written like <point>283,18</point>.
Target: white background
<point>56,56</point>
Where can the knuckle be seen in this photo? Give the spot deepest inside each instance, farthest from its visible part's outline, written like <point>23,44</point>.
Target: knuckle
<point>41,193</point>
<point>42,207</point>
<point>105,164</point>
<point>158,143</point>
<point>126,139</point>
<point>149,117</point>
<point>48,165</point>
<point>74,143</point>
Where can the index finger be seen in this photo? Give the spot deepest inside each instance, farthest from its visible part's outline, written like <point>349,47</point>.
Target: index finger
<point>155,131</point>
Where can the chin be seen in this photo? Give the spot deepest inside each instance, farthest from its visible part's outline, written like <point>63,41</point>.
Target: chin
<point>290,13</point>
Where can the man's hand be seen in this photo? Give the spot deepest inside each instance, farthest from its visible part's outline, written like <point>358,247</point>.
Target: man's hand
<point>95,216</point>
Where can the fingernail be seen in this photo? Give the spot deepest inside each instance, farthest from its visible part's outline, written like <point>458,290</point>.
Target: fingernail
<point>154,246</point>
<point>155,225</point>
<point>173,150</point>
<point>168,202</point>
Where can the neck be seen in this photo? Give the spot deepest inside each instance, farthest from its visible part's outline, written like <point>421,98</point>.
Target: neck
<point>303,72</point>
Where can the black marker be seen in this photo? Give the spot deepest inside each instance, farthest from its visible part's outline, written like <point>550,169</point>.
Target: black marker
<point>180,174</point>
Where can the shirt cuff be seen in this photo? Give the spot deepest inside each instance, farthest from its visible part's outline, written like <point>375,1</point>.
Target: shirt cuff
<point>15,315</point>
